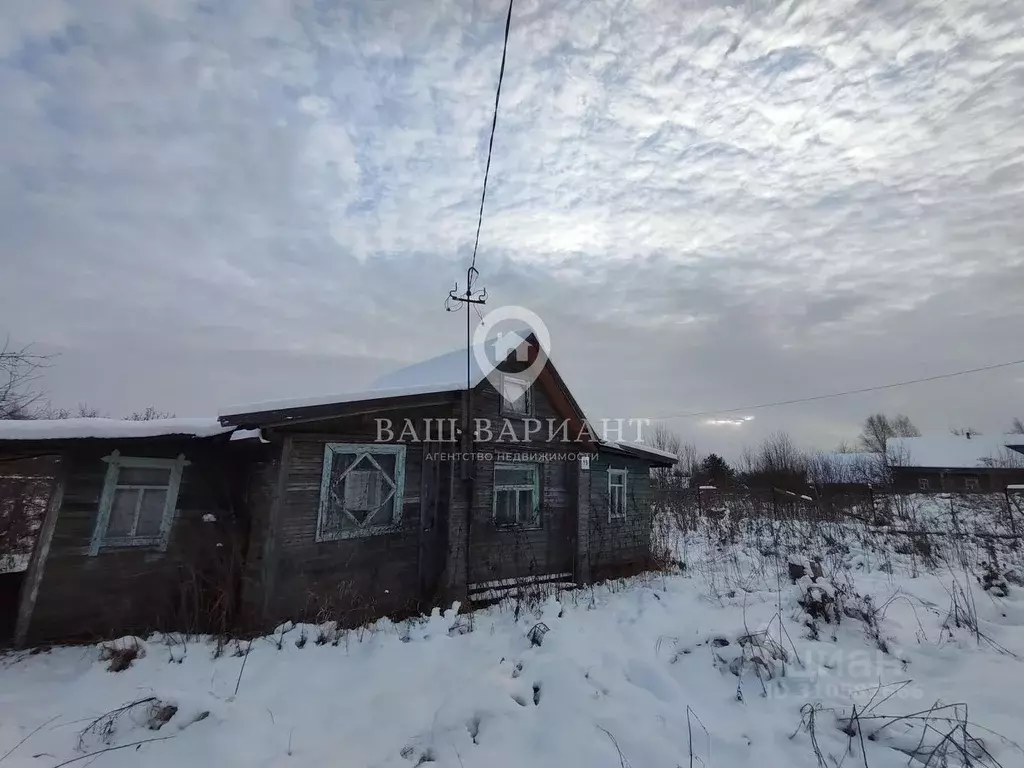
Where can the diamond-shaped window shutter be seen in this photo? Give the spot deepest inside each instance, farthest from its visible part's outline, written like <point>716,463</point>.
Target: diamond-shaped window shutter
<point>344,500</point>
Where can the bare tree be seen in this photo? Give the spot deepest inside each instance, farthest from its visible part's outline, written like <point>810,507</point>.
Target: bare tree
<point>748,460</point>
<point>19,369</point>
<point>967,432</point>
<point>149,414</point>
<point>1017,427</point>
<point>665,439</point>
<point>83,411</point>
<point>777,463</point>
<point>878,428</point>
<point>689,459</point>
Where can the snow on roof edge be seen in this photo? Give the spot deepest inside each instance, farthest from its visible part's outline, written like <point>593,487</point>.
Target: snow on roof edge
<point>339,398</point>
<point>641,448</point>
<point>950,451</point>
<point>102,428</point>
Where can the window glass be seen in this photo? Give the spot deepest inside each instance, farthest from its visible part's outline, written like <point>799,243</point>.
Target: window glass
<point>144,476</point>
<point>122,512</point>
<point>151,513</point>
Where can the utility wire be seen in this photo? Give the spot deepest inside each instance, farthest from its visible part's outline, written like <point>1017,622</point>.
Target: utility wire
<point>695,414</point>
<point>494,125</point>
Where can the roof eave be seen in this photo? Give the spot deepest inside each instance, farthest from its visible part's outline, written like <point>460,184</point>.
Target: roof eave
<point>277,417</point>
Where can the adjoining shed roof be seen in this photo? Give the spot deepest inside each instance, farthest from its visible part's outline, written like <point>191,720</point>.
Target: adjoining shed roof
<point>63,429</point>
<point>655,455</point>
<point>953,452</point>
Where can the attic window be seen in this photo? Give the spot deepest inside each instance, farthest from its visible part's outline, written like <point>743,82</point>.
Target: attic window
<point>361,490</point>
<point>923,484</point>
<point>138,502</point>
<point>516,396</point>
<point>972,484</point>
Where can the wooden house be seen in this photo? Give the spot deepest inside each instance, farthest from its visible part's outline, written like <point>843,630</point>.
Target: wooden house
<point>379,502</point>
<point>954,464</point>
<point>345,507</point>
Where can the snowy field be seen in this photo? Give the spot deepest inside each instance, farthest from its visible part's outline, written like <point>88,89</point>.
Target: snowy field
<point>724,662</point>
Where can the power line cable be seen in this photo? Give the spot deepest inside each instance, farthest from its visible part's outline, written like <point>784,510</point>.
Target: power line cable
<point>494,125</point>
<point>862,390</point>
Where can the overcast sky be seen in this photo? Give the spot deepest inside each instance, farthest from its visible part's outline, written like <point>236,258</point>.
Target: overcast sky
<point>204,203</point>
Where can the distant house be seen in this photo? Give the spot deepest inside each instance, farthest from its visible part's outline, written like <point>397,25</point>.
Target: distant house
<point>343,507</point>
<point>954,464</point>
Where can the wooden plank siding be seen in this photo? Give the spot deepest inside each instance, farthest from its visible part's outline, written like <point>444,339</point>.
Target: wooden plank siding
<point>619,546</point>
<point>138,589</point>
<point>987,479</point>
<point>502,553</point>
<point>354,579</point>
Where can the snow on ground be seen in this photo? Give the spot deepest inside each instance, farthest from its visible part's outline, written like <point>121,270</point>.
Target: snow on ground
<point>629,673</point>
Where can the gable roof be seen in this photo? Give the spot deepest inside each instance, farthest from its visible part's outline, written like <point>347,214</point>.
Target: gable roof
<point>441,376</point>
<point>448,371</point>
<point>953,452</point>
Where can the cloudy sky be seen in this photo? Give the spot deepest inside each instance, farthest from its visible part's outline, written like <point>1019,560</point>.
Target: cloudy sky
<point>711,205</point>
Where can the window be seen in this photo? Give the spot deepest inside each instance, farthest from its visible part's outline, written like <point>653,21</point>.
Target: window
<point>923,483</point>
<point>361,490</point>
<point>972,484</point>
<point>516,495</point>
<point>516,397</point>
<point>23,501</point>
<point>617,494</point>
<point>138,502</point>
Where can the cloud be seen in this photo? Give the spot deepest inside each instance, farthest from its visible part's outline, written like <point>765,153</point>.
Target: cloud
<point>727,422</point>
<point>710,204</point>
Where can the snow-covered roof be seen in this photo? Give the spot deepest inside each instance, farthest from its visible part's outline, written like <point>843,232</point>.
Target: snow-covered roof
<point>448,371</point>
<point>444,373</point>
<point>640,448</point>
<point>55,429</point>
<point>953,452</point>
<point>338,398</point>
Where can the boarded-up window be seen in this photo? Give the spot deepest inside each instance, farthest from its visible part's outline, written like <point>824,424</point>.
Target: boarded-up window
<point>361,491</point>
<point>137,506</point>
<point>516,495</point>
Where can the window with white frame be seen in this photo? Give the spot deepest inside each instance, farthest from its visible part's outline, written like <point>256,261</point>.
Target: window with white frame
<point>361,490</point>
<point>138,502</point>
<point>617,494</point>
<point>517,495</point>
<point>516,396</point>
<point>923,483</point>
